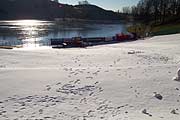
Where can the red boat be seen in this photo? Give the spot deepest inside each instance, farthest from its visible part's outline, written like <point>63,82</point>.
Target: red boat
<point>124,37</point>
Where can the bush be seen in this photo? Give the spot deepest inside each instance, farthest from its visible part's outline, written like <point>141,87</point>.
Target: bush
<point>141,30</point>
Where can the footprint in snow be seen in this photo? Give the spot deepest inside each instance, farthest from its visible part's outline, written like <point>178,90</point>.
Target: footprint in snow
<point>174,111</point>
<point>48,87</point>
<point>89,77</point>
<point>158,96</point>
<point>145,112</point>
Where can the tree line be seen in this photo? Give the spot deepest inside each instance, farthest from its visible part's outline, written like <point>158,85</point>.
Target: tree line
<point>156,11</point>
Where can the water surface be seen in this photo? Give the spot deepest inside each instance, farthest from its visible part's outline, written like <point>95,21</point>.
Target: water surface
<point>35,33</point>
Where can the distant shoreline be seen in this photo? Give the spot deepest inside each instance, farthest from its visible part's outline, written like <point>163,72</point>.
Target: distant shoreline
<point>88,20</point>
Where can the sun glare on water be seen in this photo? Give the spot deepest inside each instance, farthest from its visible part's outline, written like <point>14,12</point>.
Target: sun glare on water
<point>29,32</point>
<point>28,22</point>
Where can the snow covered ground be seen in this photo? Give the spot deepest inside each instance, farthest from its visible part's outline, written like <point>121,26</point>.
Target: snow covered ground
<point>125,81</point>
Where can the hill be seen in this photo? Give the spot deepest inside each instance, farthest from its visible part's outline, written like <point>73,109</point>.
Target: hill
<point>96,13</point>
<point>49,10</point>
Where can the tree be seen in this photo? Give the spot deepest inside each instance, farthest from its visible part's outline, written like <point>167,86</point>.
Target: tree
<point>126,10</point>
<point>159,11</point>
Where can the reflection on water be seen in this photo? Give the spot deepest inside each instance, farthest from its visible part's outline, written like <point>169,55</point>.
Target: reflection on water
<point>35,33</point>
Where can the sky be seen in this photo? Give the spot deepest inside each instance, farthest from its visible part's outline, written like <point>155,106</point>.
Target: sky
<point>106,4</point>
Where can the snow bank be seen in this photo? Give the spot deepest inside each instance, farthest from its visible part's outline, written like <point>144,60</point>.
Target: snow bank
<point>129,81</point>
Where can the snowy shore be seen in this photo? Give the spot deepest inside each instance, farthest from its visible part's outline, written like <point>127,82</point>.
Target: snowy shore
<point>125,81</point>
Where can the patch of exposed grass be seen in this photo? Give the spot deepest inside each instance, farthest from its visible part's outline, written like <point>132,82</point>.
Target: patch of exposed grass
<point>166,29</point>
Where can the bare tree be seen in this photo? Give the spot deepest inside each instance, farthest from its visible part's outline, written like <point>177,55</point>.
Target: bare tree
<point>159,11</point>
